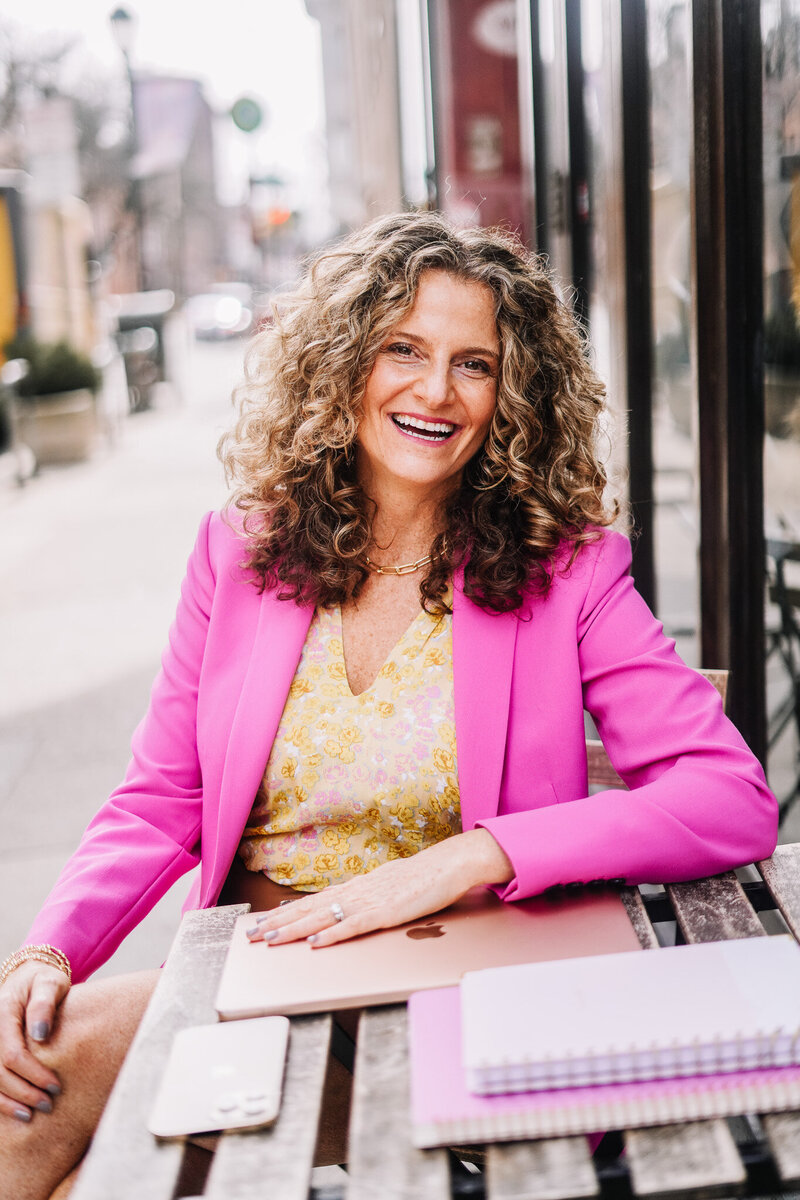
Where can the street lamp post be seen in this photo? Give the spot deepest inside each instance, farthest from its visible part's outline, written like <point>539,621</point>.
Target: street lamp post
<point>123,28</point>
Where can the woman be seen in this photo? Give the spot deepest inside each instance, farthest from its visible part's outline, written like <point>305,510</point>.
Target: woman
<point>419,597</point>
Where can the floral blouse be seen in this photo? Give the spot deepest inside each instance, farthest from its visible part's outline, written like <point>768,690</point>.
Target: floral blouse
<point>354,781</point>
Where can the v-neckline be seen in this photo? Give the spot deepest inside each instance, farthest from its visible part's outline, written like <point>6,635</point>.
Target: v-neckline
<point>339,631</point>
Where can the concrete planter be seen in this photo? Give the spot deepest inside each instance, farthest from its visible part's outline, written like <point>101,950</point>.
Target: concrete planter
<point>61,428</point>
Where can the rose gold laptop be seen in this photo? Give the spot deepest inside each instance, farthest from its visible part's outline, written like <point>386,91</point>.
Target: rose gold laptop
<point>388,965</point>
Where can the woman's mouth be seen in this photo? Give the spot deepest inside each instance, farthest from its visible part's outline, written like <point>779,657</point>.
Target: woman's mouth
<point>424,431</point>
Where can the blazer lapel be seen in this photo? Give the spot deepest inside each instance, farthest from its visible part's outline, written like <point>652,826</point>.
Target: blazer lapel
<point>277,646</point>
<point>483,661</point>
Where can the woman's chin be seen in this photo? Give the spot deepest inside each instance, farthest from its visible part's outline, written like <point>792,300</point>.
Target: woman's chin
<point>424,478</point>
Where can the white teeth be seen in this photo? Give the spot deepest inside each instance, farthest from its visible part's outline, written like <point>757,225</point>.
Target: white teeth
<point>426,426</point>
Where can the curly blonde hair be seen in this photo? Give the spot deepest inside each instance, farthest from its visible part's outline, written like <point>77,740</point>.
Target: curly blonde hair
<point>536,483</point>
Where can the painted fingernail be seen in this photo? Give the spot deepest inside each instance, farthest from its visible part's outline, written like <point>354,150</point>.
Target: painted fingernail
<point>40,1031</point>
<point>45,1106</point>
<point>252,932</point>
<point>266,916</point>
<point>273,933</point>
<point>54,1089</point>
<point>22,1114</point>
<point>313,938</point>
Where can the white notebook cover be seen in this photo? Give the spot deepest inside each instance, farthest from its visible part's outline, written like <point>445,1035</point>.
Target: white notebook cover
<point>684,1010</point>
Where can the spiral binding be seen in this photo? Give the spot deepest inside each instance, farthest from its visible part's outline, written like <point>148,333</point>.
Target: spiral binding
<point>629,1064</point>
<point>708,1098</point>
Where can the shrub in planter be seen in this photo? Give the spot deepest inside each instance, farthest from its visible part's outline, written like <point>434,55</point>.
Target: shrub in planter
<point>53,368</point>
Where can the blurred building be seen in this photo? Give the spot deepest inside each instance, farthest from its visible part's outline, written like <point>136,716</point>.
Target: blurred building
<point>174,197</point>
<point>58,224</point>
<point>359,55</point>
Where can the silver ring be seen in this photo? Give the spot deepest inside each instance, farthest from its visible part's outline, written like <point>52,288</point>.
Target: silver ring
<point>338,911</point>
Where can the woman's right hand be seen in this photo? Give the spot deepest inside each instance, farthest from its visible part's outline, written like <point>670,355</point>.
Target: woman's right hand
<point>29,999</point>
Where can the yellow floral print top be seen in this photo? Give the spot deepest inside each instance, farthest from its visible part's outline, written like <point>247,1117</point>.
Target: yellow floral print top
<point>356,780</point>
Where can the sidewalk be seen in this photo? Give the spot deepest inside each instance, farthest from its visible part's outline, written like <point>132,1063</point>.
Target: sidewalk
<point>91,559</point>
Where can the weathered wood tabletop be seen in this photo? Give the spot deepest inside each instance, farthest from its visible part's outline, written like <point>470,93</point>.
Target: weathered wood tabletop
<point>746,1156</point>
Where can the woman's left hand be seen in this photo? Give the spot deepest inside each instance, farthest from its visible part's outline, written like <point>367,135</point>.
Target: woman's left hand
<point>401,890</point>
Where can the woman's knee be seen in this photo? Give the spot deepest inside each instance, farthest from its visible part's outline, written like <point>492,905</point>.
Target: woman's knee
<point>94,1028</point>
<point>97,1021</point>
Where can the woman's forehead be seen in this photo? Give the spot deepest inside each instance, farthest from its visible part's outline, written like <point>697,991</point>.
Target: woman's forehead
<point>436,289</point>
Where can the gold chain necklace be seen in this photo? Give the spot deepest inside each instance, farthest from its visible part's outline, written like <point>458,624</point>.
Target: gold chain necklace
<point>401,569</point>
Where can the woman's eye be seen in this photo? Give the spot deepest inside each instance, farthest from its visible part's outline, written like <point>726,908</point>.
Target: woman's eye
<point>401,348</point>
<point>477,364</point>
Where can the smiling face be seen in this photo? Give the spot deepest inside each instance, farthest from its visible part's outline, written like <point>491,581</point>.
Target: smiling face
<point>432,392</point>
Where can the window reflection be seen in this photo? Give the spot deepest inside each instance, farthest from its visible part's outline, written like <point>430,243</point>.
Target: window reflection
<point>676,523</point>
<point>780,25</point>
<point>781,34</point>
<point>606,299</point>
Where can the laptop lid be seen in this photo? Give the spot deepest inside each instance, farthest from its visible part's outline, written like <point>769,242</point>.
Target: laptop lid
<point>386,966</point>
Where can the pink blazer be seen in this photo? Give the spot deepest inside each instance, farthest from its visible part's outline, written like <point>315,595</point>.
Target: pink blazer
<point>698,805</point>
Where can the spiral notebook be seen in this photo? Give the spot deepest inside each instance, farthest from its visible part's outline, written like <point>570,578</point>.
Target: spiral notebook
<point>444,1113</point>
<point>687,1010</point>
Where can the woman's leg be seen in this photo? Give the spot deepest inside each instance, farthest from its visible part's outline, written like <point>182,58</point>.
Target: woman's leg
<point>95,1027</point>
<point>64,1189</point>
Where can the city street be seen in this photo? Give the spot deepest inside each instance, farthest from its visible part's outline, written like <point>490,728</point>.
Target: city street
<point>91,558</point>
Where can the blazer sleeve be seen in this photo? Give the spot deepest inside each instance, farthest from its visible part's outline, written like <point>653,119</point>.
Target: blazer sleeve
<point>147,833</point>
<point>698,801</point>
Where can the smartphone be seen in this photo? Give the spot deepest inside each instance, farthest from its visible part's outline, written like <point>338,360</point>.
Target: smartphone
<point>223,1076</point>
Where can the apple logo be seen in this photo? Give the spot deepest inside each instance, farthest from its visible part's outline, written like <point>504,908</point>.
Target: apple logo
<point>429,930</point>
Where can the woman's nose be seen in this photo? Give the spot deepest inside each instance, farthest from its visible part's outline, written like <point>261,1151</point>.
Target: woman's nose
<point>433,384</point>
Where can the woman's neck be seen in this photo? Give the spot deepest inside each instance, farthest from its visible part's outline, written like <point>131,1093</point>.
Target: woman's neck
<point>405,523</point>
<point>404,533</point>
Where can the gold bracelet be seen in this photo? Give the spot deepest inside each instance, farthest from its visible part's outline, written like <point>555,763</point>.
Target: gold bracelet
<point>49,955</point>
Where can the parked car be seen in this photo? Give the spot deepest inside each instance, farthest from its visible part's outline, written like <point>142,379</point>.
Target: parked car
<point>217,316</point>
<point>242,291</point>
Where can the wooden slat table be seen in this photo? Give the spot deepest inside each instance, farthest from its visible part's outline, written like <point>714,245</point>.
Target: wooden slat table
<point>746,1156</point>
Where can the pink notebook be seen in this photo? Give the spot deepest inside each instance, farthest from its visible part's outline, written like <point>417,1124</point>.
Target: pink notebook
<point>444,1113</point>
